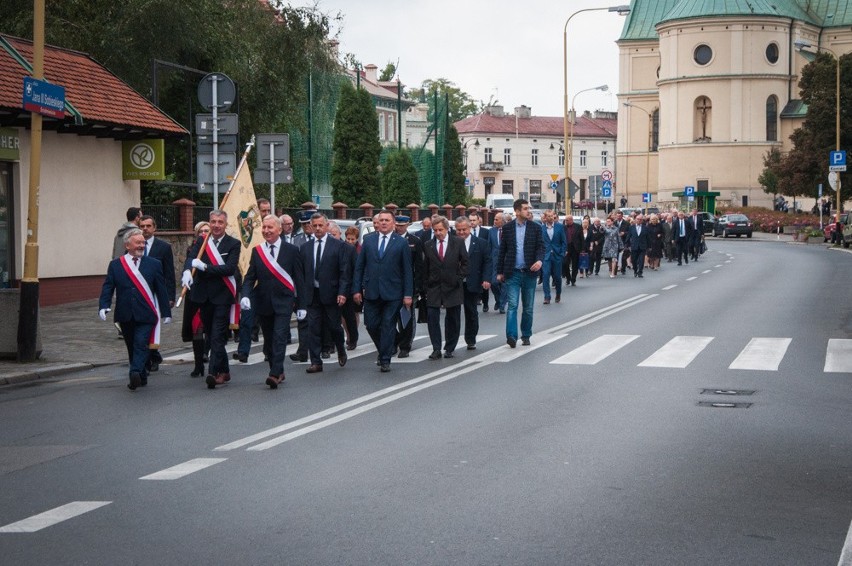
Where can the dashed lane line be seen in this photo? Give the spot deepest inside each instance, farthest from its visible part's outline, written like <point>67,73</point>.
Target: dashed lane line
<point>53,516</point>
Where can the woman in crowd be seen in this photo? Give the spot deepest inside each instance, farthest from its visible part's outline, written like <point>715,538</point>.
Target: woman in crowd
<point>588,246</point>
<point>655,242</point>
<point>611,246</point>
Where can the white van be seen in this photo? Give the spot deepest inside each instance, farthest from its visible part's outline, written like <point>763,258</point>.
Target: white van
<point>503,202</point>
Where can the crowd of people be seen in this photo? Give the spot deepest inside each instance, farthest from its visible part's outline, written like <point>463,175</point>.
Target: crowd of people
<point>326,278</point>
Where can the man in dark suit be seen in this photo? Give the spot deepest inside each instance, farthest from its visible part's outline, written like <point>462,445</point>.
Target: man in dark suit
<point>272,282</point>
<point>682,235</point>
<point>696,222</point>
<point>639,242</point>
<point>162,251</point>
<point>140,302</point>
<point>555,247</point>
<point>384,281</point>
<point>305,235</point>
<point>444,270</point>
<point>425,234</point>
<point>494,237</point>
<point>405,336</point>
<point>213,287</point>
<point>518,263</point>
<point>479,231</point>
<point>574,244</point>
<point>623,227</point>
<point>325,267</point>
<point>478,277</point>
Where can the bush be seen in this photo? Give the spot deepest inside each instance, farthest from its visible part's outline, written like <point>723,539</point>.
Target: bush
<point>766,220</point>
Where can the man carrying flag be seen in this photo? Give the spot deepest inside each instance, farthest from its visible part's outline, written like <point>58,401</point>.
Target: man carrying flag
<point>269,290</point>
<point>140,302</point>
<point>214,290</point>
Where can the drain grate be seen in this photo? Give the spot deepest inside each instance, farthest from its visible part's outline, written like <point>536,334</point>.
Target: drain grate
<point>722,405</point>
<point>732,392</point>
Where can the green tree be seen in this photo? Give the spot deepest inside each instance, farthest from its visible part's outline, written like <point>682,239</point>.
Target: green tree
<point>454,190</point>
<point>400,183</point>
<point>388,72</point>
<point>461,104</point>
<point>769,177</point>
<point>355,169</point>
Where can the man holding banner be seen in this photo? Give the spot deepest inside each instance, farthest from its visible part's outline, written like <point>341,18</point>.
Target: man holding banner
<point>214,289</point>
<point>140,302</point>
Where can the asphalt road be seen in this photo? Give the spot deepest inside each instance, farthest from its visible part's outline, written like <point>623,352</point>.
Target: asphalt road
<point>598,444</point>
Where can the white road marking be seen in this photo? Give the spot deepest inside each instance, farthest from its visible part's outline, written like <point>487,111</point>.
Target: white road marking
<point>692,278</point>
<point>596,350</point>
<point>706,271</point>
<point>670,287</point>
<point>838,356</point>
<point>422,354</point>
<point>678,352</point>
<point>720,265</point>
<point>181,470</point>
<point>728,261</point>
<point>846,553</point>
<point>599,314</point>
<point>53,516</point>
<point>762,354</point>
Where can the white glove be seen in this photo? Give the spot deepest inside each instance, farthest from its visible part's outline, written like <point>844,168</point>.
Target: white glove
<point>199,265</point>
<point>167,320</point>
<point>245,304</point>
<point>102,313</point>
<point>186,280</point>
<point>301,314</point>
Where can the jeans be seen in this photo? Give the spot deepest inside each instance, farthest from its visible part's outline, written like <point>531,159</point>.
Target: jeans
<point>520,285</point>
<point>552,267</point>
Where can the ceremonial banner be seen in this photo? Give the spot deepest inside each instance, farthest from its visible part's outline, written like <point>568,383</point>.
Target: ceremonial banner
<point>243,215</point>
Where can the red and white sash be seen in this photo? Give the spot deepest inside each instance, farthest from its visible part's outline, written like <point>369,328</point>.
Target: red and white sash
<point>277,271</point>
<point>230,283</point>
<point>144,289</point>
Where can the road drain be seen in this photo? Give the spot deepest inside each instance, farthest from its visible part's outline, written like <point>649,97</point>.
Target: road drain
<point>732,392</point>
<point>721,405</point>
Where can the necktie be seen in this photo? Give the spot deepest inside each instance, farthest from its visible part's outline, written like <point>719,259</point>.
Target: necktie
<point>216,243</point>
<point>272,250</point>
<point>135,261</point>
<point>317,262</point>
<point>147,245</point>
<point>382,247</point>
<point>499,234</point>
<point>682,229</point>
<point>441,250</point>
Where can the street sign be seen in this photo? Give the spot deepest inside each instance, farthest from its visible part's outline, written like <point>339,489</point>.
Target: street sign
<point>689,191</point>
<point>44,98</point>
<point>227,144</point>
<point>225,91</point>
<point>606,175</point>
<point>646,197</point>
<point>832,180</point>
<point>554,177</point>
<point>837,160</point>
<point>554,185</point>
<point>227,165</point>
<point>229,124</point>
<point>273,157</point>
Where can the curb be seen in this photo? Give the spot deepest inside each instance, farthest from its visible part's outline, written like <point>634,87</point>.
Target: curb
<point>43,372</point>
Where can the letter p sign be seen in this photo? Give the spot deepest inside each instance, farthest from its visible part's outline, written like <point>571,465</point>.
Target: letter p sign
<point>837,161</point>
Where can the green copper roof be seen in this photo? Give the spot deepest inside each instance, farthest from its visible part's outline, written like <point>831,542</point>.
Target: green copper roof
<point>645,15</point>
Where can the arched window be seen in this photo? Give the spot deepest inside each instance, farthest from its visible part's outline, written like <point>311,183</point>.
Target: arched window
<point>703,121</point>
<point>772,118</point>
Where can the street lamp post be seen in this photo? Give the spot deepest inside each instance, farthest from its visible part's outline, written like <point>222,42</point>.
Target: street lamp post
<point>622,10</point>
<point>467,162</point>
<point>650,145</point>
<point>570,163</point>
<point>802,44</point>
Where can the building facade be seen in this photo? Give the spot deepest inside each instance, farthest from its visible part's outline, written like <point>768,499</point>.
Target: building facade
<point>524,155</point>
<point>707,89</point>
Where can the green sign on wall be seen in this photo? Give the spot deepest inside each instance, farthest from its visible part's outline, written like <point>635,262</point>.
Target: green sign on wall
<point>143,160</point>
<point>10,144</point>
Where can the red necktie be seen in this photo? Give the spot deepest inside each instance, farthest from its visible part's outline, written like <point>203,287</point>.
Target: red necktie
<point>135,261</point>
<point>441,250</point>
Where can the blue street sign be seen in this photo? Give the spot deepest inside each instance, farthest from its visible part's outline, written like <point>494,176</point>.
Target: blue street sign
<point>837,160</point>
<point>554,185</point>
<point>689,191</point>
<point>44,98</point>
<point>606,192</point>
<point>646,197</point>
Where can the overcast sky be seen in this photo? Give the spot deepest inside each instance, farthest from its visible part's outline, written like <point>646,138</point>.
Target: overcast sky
<point>508,49</point>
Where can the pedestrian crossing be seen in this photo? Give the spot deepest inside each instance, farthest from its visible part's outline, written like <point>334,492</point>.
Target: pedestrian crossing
<point>759,354</point>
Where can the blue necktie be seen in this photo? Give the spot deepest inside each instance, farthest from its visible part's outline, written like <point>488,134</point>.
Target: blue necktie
<point>382,247</point>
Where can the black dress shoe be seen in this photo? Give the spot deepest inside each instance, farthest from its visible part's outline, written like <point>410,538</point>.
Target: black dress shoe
<point>471,346</point>
<point>385,368</point>
<point>314,368</point>
<point>351,345</point>
<point>525,341</point>
<point>512,342</point>
<point>298,358</point>
<point>239,356</point>
<point>484,307</point>
<point>342,357</point>
<point>448,354</point>
<point>403,354</point>
<point>273,381</point>
<point>435,355</point>
<point>135,380</point>
<point>143,382</point>
<point>325,355</point>
<point>153,366</point>
<point>198,371</point>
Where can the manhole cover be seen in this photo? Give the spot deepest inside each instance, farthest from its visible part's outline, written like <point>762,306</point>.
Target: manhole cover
<point>732,392</point>
<point>721,405</point>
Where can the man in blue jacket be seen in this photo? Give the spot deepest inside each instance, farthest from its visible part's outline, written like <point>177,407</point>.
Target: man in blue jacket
<point>555,247</point>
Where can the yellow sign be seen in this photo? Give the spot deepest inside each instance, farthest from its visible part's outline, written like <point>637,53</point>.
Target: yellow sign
<point>554,178</point>
<point>143,160</point>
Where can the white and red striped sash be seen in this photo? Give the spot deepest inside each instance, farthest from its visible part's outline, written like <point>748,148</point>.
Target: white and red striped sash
<point>277,271</point>
<point>230,283</point>
<point>144,289</point>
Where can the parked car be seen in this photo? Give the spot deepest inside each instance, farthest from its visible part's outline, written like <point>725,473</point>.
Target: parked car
<point>733,224</point>
<point>708,220</point>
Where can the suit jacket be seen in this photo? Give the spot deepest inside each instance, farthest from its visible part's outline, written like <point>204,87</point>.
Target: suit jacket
<point>415,246</point>
<point>575,243</point>
<point>624,230</point>
<point>698,230</point>
<point>130,303</point>
<point>556,246</point>
<point>676,230</point>
<point>162,250</point>
<point>494,244</point>
<point>334,274</point>
<point>533,247</point>
<point>300,238</point>
<point>479,267</point>
<point>209,285</point>
<point>424,235</point>
<point>444,279</point>
<point>639,241</point>
<point>269,296</point>
<point>388,278</point>
<point>483,232</point>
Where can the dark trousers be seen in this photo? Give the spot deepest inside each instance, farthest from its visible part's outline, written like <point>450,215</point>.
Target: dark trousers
<point>276,330</point>
<point>380,320</point>
<point>570,265</point>
<point>405,336</point>
<point>695,248</point>
<point>484,298</point>
<point>452,324</point>
<point>471,318</point>
<point>595,260</point>
<point>137,336</point>
<point>681,245</point>
<point>321,317</point>
<point>499,293</point>
<point>350,319</point>
<point>638,259</point>
<point>215,320</point>
<point>302,329</point>
<point>627,253</point>
<point>248,321</point>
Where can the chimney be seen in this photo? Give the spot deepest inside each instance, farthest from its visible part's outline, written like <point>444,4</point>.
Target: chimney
<point>523,111</point>
<point>371,73</point>
<point>495,110</point>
